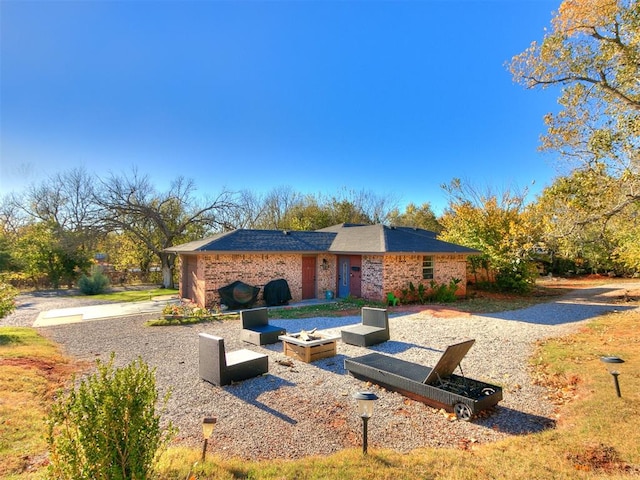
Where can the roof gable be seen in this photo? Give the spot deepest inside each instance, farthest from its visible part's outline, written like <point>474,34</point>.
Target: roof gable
<point>383,239</point>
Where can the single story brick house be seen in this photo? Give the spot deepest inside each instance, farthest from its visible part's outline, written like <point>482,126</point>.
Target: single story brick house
<point>365,261</point>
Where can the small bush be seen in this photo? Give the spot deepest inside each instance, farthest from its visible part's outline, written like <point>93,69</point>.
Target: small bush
<point>519,277</point>
<point>188,310</point>
<point>413,294</point>
<point>442,293</point>
<point>436,292</point>
<point>108,427</point>
<point>94,284</point>
<point>7,299</point>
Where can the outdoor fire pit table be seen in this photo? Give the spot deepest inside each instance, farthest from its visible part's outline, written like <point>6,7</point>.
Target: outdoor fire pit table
<point>317,347</point>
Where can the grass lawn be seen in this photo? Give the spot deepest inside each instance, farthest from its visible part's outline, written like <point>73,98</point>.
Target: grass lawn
<point>134,295</point>
<point>597,434</point>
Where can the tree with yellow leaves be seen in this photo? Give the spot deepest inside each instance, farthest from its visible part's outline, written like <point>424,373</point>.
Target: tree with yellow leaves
<point>592,53</point>
<point>497,224</point>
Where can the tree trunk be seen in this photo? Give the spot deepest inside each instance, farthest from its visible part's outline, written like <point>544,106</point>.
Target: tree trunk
<point>168,261</point>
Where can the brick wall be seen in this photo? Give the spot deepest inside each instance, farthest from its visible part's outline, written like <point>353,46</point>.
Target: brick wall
<point>326,274</point>
<point>380,274</point>
<point>196,278</point>
<point>199,283</point>
<point>253,269</point>
<point>451,266</point>
<point>372,281</point>
<point>399,270</point>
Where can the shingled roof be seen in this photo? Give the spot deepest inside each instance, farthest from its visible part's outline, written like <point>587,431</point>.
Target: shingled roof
<point>256,241</point>
<point>340,239</point>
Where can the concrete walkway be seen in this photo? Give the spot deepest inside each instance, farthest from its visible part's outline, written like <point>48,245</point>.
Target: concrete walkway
<point>65,316</point>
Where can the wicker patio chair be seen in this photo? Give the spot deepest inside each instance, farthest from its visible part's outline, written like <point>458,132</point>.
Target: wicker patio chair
<point>373,329</point>
<point>256,328</point>
<point>221,368</point>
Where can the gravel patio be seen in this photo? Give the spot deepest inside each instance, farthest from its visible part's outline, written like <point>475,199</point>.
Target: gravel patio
<point>301,409</point>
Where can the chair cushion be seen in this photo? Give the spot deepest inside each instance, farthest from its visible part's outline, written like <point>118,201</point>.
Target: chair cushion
<point>266,329</point>
<point>241,356</point>
<point>362,329</point>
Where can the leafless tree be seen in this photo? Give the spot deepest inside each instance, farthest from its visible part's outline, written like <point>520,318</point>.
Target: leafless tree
<point>275,206</point>
<point>65,199</point>
<point>160,220</point>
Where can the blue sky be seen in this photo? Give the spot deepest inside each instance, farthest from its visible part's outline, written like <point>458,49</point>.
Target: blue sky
<point>391,97</point>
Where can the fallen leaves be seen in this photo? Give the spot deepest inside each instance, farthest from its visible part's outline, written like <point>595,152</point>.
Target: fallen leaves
<point>599,457</point>
<point>466,443</point>
<point>561,388</point>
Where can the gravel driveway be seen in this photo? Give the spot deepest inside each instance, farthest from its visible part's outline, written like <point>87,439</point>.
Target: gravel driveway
<point>307,409</point>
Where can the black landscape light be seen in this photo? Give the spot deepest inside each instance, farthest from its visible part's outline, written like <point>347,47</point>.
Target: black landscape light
<point>365,410</point>
<point>614,373</point>
<point>208,424</point>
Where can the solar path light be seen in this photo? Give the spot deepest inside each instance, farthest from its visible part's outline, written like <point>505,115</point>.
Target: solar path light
<point>365,410</point>
<point>208,424</point>
<point>614,373</point>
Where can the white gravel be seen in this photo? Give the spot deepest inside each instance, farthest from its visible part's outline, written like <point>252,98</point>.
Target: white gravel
<point>307,409</point>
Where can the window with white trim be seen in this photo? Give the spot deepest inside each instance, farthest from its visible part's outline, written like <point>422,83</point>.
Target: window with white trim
<point>427,267</point>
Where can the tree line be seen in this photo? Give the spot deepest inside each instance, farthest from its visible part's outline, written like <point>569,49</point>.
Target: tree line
<point>55,230</point>
<point>588,220</point>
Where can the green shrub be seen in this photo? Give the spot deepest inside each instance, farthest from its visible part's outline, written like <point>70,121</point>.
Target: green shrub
<point>413,294</point>
<point>7,299</point>
<point>107,427</point>
<point>442,293</point>
<point>94,284</point>
<point>436,292</point>
<point>519,277</point>
<point>188,310</point>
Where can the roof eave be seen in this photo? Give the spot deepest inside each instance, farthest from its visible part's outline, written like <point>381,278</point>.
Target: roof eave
<point>254,252</point>
<point>318,252</point>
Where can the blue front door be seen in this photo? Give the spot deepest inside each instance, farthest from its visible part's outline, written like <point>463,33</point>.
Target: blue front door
<point>344,269</point>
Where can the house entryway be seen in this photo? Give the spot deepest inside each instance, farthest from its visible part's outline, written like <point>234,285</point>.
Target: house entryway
<point>308,278</point>
<point>190,278</point>
<point>349,276</point>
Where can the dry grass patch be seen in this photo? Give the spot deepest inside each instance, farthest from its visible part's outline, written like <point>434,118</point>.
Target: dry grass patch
<point>31,371</point>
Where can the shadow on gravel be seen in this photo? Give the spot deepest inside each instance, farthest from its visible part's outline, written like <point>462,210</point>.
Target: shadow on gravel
<point>27,305</point>
<point>514,422</point>
<point>294,325</point>
<point>260,385</point>
<point>333,364</point>
<point>391,347</point>
<point>53,293</point>
<point>557,313</point>
<point>593,294</point>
